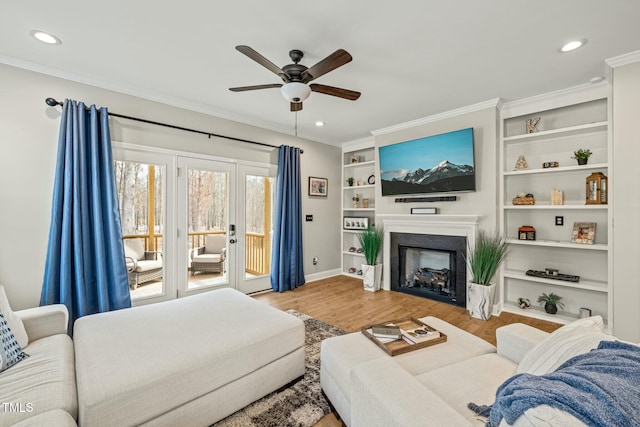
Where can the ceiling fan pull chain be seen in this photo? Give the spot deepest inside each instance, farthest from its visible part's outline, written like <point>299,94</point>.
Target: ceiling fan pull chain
<point>296,113</point>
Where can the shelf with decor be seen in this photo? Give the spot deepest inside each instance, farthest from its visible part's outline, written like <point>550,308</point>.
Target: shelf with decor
<point>537,170</point>
<point>358,163</point>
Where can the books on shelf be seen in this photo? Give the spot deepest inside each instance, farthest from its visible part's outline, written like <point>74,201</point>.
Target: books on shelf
<point>420,335</point>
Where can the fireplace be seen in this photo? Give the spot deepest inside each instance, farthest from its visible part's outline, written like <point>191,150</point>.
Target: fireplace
<point>430,266</point>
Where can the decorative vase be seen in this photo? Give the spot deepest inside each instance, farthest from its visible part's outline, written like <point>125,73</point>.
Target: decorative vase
<point>371,277</point>
<point>480,300</point>
<point>550,308</point>
<point>582,161</point>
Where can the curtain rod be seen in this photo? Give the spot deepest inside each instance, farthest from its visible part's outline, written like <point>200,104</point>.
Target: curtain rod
<point>52,103</point>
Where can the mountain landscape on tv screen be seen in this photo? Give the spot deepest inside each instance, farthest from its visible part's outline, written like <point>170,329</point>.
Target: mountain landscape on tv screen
<point>443,177</point>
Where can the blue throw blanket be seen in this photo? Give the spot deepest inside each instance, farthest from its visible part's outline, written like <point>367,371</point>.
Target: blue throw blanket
<point>600,388</point>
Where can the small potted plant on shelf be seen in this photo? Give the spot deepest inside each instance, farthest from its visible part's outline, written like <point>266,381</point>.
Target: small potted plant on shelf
<point>582,156</point>
<point>551,302</point>
<point>350,181</point>
<point>371,242</point>
<point>484,260</point>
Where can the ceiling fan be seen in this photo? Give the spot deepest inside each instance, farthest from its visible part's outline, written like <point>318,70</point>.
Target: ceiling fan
<point>296,76</point>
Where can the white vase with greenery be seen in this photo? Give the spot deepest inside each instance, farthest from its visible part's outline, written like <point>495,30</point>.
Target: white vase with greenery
<point>484,260</point>
<point>371,243</point>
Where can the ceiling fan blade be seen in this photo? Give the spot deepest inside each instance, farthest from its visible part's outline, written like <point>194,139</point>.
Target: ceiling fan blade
<point>331,62</point>
<point>351,95</point>
<point>296,106</point>
<point>262,61</point>
<point>255,87</point>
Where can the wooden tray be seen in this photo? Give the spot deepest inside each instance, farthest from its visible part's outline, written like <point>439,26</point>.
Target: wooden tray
<point>394,348</point>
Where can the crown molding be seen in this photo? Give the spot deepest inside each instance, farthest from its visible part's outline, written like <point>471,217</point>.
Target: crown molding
<point>626,59</point>
<point>493,103</point>
<point>143,94</point>
<point>572,95</point>
<point>358,144</point>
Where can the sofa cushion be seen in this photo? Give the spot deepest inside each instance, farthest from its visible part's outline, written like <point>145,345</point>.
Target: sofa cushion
<point>472,380</point>
<point>134,248</point>
<point>10,351</point>
<point>208,258</point>
<point>53,418</point>
<point>172,353</point>
<point>148,265</point>
<point>561,345</point>
<point>45,380</point>
<point>14,321</point>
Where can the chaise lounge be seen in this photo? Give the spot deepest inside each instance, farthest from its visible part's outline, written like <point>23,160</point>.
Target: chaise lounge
<point>198,358</point>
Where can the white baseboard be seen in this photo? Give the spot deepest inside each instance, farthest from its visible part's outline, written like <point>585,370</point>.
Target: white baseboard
<point>322,275</point>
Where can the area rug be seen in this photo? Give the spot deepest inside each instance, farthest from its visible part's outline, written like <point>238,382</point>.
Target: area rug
<point>300,405</point>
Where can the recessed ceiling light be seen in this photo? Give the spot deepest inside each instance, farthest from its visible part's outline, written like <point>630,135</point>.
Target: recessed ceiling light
<point>573,45</point>
<point>319,123</point>
<point>45,37</point>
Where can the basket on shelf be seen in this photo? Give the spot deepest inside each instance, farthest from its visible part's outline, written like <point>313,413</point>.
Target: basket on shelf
<point>524,201</point>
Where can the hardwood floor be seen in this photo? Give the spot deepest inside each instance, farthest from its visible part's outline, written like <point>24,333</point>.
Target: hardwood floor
<point>341,301</point>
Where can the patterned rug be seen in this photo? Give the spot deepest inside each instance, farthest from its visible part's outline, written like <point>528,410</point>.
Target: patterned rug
<point>302,404</point>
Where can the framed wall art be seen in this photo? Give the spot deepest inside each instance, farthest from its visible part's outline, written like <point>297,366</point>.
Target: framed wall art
<point>318,186</point>
<point>583,232</point>
<point>355,223</point>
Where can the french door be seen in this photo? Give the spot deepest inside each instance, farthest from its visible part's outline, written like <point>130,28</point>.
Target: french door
<point>207,227</point>
<point>255,226</point>
<point>173,205</point>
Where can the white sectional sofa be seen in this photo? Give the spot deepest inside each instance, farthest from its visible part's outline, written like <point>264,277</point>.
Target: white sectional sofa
<point>434,385</point>
<point>191,361</point>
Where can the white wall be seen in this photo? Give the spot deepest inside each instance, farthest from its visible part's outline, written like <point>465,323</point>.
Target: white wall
<point>484,200</point>
<point>626,215</point>
<point>28,142</point>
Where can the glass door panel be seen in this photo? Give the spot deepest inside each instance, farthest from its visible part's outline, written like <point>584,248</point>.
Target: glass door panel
<point>206,217</point>
<point>257,207</point>
<point>141,189</point>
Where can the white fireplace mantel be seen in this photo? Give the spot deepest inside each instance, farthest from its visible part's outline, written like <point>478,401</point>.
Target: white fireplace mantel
<point>444,225</point>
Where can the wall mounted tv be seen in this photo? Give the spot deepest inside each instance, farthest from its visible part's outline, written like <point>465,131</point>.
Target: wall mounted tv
<point>435,164</point>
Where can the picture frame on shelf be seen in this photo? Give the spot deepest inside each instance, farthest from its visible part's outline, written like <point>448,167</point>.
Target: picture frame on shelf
<point>318,186</point>
<point>355,223</point>
<point>583,233</point>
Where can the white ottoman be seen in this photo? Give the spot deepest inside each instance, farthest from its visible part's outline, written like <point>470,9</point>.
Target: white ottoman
<point>190,361</point>
<point>339,355</point>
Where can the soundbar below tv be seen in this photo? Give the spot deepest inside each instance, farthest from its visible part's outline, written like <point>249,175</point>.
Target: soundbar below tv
<point>435,164</point>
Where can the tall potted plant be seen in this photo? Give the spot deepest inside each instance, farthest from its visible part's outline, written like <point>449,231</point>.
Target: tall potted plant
<point>484,260</point>
<point>371,243</point>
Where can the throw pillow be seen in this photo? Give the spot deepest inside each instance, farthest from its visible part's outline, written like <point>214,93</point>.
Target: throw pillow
<point>10,351</point>
<point>14,322</point>
<point>570,340</point>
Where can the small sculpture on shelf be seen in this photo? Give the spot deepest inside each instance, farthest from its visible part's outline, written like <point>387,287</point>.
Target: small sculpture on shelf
<point>356,201</point>
<point>557,197</point>
<point>531,125</point>
<point>521,164</point>
<point>524,303</point>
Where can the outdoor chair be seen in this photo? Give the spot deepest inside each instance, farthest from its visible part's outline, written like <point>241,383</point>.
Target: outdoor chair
<point>142,265</point>
<point>211,256</point>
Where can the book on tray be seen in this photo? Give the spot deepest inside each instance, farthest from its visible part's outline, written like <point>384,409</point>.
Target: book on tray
<point>419,335</point>
<point>391,332</point>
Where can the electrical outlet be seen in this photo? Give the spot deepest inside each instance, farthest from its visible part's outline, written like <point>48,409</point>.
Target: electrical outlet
<point>315,260</point>
<point>309,218</point>
<point>559,220</point>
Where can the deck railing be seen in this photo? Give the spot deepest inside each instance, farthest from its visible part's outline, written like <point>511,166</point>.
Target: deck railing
<point>257,250</point>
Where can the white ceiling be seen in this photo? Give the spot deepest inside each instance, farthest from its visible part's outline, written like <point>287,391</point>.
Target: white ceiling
<point>411,58</point>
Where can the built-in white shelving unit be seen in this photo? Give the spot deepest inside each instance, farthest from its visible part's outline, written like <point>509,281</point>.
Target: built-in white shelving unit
<point>362,172</point>
<point>568,121</point>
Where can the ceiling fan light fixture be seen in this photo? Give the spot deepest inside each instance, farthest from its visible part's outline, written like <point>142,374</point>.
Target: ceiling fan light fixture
<point>295,91</point>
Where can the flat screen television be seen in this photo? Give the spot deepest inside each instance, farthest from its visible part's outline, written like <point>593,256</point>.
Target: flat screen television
<point>435,164</point>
